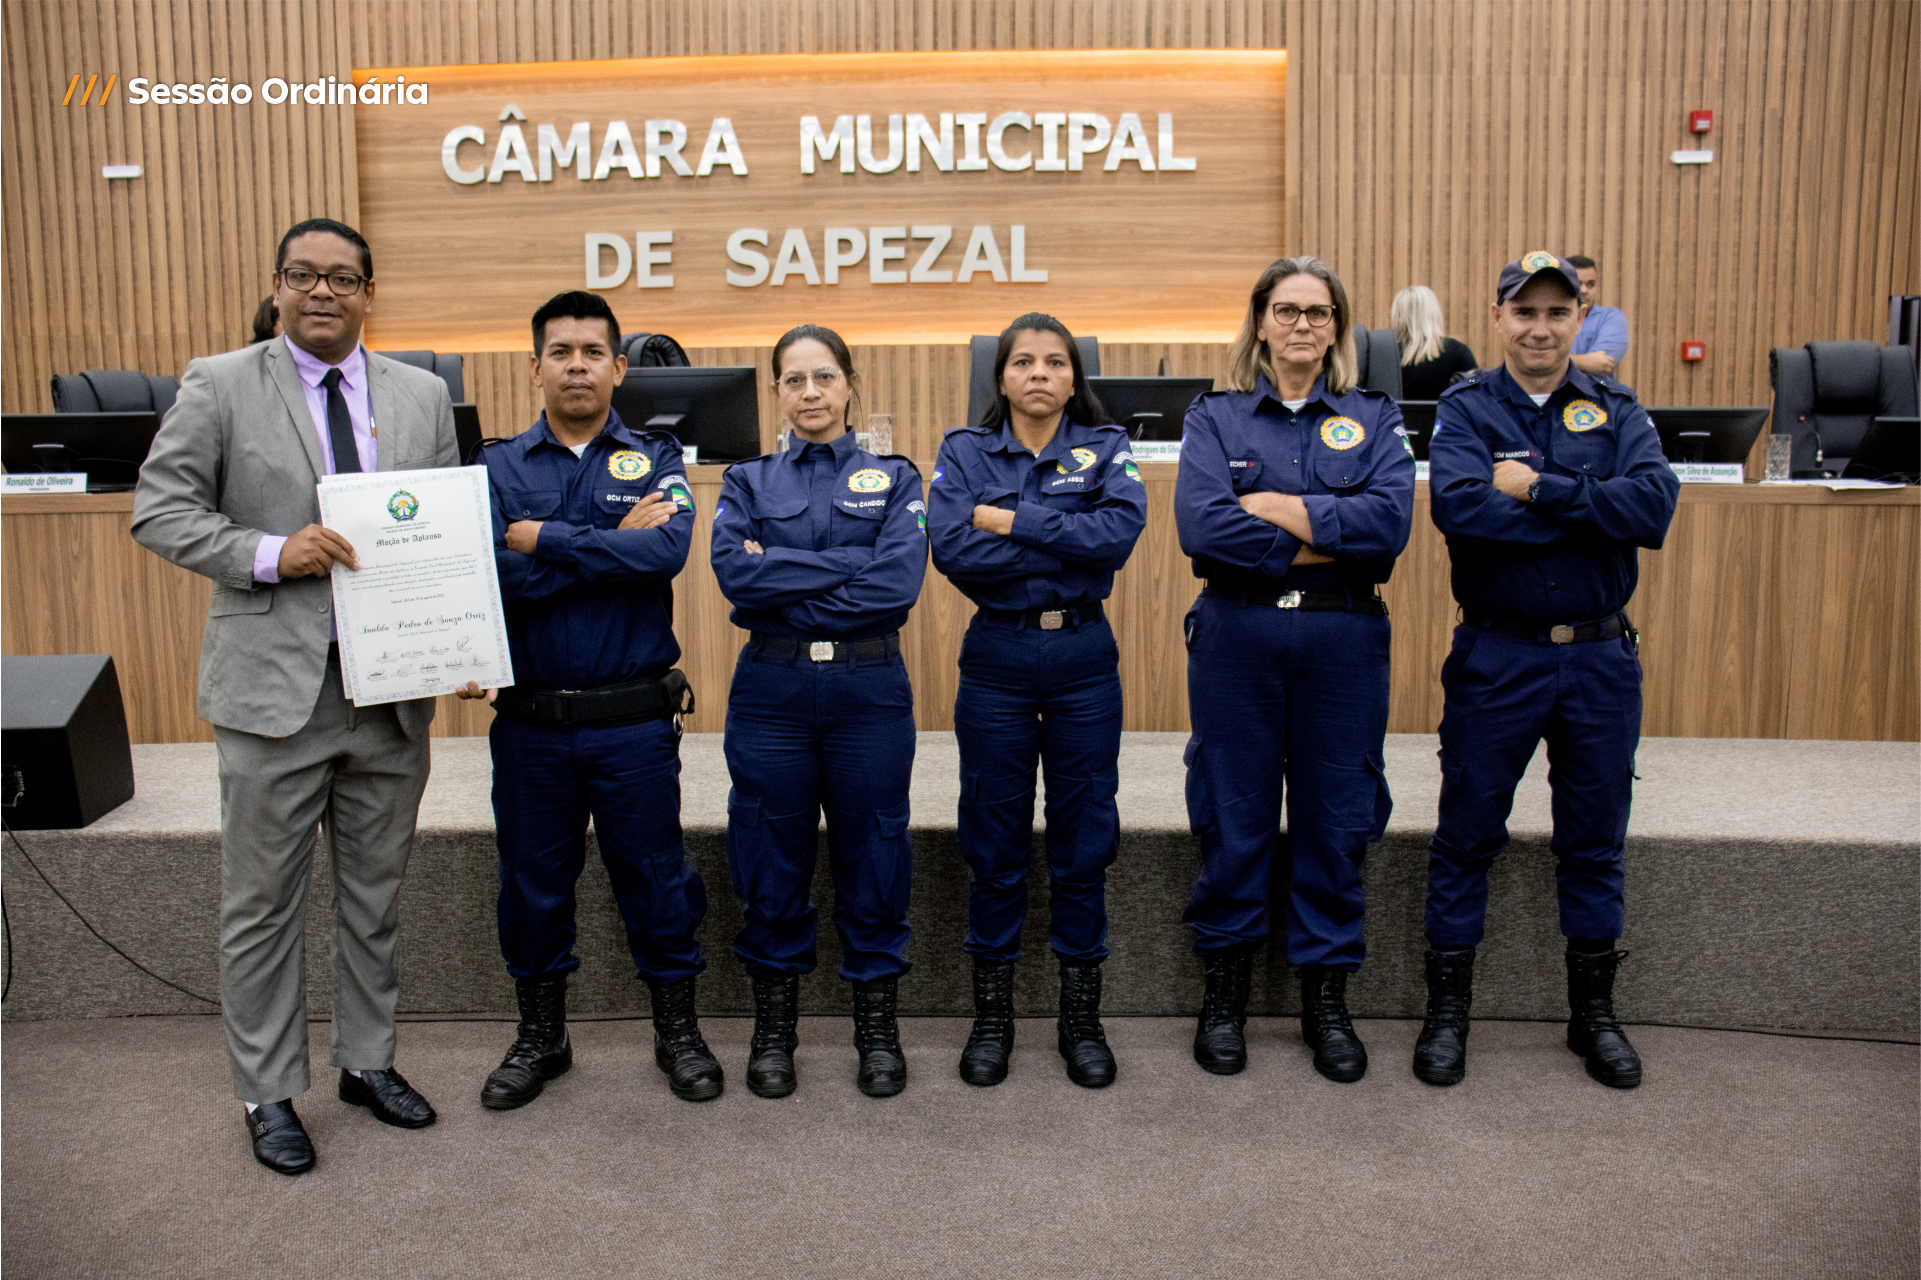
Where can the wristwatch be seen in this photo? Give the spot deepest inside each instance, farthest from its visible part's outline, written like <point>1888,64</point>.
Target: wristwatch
<point>1534,490</point>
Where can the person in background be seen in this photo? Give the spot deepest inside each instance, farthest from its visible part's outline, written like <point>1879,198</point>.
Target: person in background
<point>231,492</point>
<point>592,520</point>
<point>1430,360</point>
<point>1546,480</point>
<point>821,549</point>
<point>1603,341</point>
<point>1032,510</point>
<point>1295,496</point>
<point>266,321</point>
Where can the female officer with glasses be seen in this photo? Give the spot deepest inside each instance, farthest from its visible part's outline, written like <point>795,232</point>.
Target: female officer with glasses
<point>1033,509</point>
<point>1295,495</point>
<point>821,548</point>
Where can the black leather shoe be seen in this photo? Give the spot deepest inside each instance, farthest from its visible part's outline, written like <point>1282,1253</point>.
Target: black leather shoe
<point>280,1141</point>
<point>770,1058</point>
<point>1592,1029</point>
<point>541,1049</point>
<point>1220,1038</point>
<point>1325,1026</point>
<point>1083,1041</point>
<point>989,1045</point>
<point>883,1067</point>
<point>388,1095</point>
<point>1440,1054</point>
<point>693,1072</point>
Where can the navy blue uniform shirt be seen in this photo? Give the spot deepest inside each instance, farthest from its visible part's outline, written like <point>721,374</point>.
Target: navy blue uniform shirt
<point>845,534</point>
<point>1078,510</point>
<point>1346,456</point>
<point>594,604</point>
<point>1568,556</point>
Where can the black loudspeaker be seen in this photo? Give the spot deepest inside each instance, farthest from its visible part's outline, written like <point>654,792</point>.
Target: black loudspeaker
<point>64,755</point>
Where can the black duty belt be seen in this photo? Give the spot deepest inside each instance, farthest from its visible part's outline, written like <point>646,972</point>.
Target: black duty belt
<point>1565,633</point>
<point>634,701</point>
<point>1078,615</point>
<point>1339,600</point>
<point>827,650</point>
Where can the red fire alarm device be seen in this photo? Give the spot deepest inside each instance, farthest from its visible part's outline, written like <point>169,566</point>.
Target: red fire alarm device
<point>1694,350</point>
<point>1700,121</point>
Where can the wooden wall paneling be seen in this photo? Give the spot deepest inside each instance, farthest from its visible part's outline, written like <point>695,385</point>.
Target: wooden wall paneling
<point>1150,601</point>
<point>1422,613</point>
<point>1852,670</point>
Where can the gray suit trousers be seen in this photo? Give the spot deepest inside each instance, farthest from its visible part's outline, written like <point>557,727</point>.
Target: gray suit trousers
<point>355,771</point>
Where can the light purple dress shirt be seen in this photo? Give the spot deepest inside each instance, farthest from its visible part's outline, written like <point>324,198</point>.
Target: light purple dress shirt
<point>353,385</point>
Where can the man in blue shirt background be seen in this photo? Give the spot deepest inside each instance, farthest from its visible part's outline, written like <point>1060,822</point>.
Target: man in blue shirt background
<point>1546,482</point>
<point>1603,341</point>
<point>592,520</point>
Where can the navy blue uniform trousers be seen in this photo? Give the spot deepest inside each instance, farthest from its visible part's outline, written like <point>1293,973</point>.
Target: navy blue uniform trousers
<point>1504,695</point>
<point>1029,696</point>
<point>548,779</point>
<point>803,737</point>
<point>1282,694</point>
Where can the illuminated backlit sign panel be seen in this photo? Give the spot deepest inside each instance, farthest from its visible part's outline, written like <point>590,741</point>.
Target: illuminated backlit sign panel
<point>895,197</point>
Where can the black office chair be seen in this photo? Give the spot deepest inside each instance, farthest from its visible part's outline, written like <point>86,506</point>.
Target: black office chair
<point>1829,393</point>
<point>653,351</point>
<point>1378,355</point>
<point>113,391</point>
<point>451,368</point>
<point>980,378</point>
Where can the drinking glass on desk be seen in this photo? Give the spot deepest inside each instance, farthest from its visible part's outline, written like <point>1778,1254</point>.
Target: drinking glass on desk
<point>1780,456</point>
<point>880,433</point>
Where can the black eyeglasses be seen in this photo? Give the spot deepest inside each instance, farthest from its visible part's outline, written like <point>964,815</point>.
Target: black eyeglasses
<point>1287,315</point>
<point>344,283</point>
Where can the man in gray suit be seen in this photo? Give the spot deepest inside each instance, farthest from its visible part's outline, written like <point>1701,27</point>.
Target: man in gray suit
<point>230,491</point>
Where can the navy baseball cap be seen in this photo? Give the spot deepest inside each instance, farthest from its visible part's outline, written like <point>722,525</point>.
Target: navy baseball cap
<point>1516,274</point>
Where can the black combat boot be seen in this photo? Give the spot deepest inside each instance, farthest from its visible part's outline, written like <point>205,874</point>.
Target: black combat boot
<point>770,1058</point>
<point>1440,1054</point>
<point>1090,1063</point>
<point>693,1073</point>
<point>1592,1029</point>
<point>1338,1052</point>
<point>1220,1039</point>
<point>883,1067</point>
<point>984,1060</point>
<point>540,1050</point>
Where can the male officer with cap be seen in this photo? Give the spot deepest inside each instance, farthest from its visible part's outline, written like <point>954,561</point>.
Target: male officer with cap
<point>1545,480</point>
<point>591,523</point>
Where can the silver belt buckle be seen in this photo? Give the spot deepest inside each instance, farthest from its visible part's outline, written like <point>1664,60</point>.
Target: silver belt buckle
<point>1292,600</point>
<point>1562,634</point>
<point>821,651</point>
<point>1052,619</point>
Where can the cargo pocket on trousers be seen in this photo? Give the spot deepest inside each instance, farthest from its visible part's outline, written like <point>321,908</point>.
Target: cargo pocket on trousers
<point>1201,814</point>
<point>744,842</point>
<point>1383,799</point>
<point>892,871</point>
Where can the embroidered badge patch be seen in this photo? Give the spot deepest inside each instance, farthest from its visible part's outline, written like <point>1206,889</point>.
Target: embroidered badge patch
<point>675,487</point>
<point>1539,260</point>
<point>1081,458</point>
<point>938,473</point>
<point>869,480</point>
<point>628,464</point>
<point>1342,433</point>
<point>1583,415</point>
<point>920,514</point>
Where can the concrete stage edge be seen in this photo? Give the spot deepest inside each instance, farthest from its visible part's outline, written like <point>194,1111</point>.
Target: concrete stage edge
<point>1770,884</point>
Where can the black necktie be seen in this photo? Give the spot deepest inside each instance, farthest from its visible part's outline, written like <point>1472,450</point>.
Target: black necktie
<point>340,427</point>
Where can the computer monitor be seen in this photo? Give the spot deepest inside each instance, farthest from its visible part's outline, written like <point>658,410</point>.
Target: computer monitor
<point>1418,417</point>
<point>109,447</point>
<point>1708,434</point>
<point>1891,450</point>
<point>1150,408</point>
<point>716,410</point>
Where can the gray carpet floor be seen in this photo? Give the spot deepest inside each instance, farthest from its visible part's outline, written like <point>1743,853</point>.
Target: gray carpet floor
<point>1742,1155</point>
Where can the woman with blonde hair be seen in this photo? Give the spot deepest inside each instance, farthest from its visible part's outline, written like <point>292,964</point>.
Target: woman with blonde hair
<point>1296,493</point>
<point>1430,360</point>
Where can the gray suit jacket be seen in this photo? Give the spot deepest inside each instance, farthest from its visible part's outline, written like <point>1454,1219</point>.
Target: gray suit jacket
<point>237,458</point>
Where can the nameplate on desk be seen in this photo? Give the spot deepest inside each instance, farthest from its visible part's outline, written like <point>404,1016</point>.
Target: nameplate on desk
<point>690,454</point>
<point>1710,472</point>
<point>46,482</point>
<point>1420,472</point>
<point>1155,450</point>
